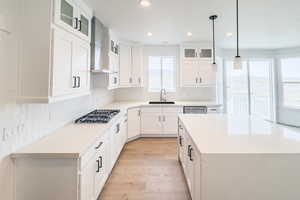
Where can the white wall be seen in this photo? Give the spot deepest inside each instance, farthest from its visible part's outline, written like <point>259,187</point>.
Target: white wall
<point>142,94</point>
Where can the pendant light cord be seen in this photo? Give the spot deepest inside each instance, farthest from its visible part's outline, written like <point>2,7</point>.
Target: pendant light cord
<point>213,18</point>
<point>237,29</point>
<point>214,43</point>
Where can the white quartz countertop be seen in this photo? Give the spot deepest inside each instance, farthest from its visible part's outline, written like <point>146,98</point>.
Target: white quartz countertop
<point>220,133</point>
<point>72,140</point>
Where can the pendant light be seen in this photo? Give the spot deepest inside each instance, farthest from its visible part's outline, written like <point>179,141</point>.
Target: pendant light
<point>237,64</point>
<point>213,18</point>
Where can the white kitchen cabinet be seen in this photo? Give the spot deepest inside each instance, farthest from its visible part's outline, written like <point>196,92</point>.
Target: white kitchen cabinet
<point>55,65</point>
<point>125,65</point>
<point>63,58</point>
<point>101,168</point>
<point>160,120</point>
<point>71,61</point>
<point>190,162</point>
<point>73,16</point>
<point>207,75</point>
<point>124,129</point>
<point>196,69</point>
<point>182,147</point>
<point>134,122</point>
<point>82,61</point>
<point>131,65</point>
<point>137,66</point>
<point>151,124</point>
<point>189,74</point>
<point>197,73</point>
<point>170,121</point>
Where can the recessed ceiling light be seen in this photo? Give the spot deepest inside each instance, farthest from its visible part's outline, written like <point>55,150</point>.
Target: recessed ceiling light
<point>145,3</point>
<point>149,34</point>
<point>229,34</point>
<point>189,34</point>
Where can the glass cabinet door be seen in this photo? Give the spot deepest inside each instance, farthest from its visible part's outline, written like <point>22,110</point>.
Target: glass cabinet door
<point>84,26</point>
<point>66,12</point>
<point>190,53</point>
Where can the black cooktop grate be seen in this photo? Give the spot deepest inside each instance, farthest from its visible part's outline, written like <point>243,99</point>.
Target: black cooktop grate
<point>97,116</point>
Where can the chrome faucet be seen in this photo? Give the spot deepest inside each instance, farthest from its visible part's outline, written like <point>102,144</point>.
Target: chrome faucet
<point>163,95</point>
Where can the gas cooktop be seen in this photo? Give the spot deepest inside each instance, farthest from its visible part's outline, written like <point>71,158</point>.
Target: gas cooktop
<point>97,116</point>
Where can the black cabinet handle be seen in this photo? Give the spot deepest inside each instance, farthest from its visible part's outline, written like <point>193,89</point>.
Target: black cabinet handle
<point>74,81</point>
<point>101,162</point>
<point>118,128</point>
<point>79,82</point>
<point>190,149</point>
<point>100,144</point>
<point>76,23</point>
<point>180,140</point>
<point>80,23</point>
<point>98,166</point>
<point>189,146</point>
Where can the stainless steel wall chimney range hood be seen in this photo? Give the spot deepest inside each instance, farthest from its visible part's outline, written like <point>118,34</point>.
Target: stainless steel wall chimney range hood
<point>99,54</point>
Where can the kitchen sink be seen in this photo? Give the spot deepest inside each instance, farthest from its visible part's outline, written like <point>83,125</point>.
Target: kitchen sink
<point>161,102</point>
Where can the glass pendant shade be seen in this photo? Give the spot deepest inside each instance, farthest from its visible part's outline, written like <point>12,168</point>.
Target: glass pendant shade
<point>237,63</point>
<point>214,66</point>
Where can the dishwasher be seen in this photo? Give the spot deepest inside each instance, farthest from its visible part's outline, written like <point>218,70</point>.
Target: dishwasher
<point>195,110</point>
<point>200,110</point>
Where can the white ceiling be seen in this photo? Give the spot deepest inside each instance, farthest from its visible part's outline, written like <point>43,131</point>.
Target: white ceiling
<point>263,23</point>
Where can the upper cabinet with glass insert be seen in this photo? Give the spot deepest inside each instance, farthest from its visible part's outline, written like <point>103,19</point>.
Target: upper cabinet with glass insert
<point>72,16</point>
<point>195,52</point>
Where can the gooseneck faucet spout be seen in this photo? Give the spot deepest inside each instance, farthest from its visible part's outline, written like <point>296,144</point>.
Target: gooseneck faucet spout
<point>163,95</point>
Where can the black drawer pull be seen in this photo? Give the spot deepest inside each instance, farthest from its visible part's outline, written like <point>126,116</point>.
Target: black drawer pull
<point>180,140</point>
<point>99,145</point>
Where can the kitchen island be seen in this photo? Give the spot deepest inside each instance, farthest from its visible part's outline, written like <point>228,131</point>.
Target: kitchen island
<point>239,158</point>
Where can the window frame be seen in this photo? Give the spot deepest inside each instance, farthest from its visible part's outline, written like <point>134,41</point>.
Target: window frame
<point>280,83</point>
<point>272,85</point>
<point>173,90</point>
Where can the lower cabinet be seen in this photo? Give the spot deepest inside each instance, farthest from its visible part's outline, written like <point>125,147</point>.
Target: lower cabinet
<point>160,120</point>
<point>69,177</point>
<point>94,172</point>
<point>151,124</point>
<point>134,122</point>
<point>190,162</point>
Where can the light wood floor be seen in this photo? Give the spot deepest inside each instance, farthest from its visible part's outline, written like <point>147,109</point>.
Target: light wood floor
<point>147,170</point>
